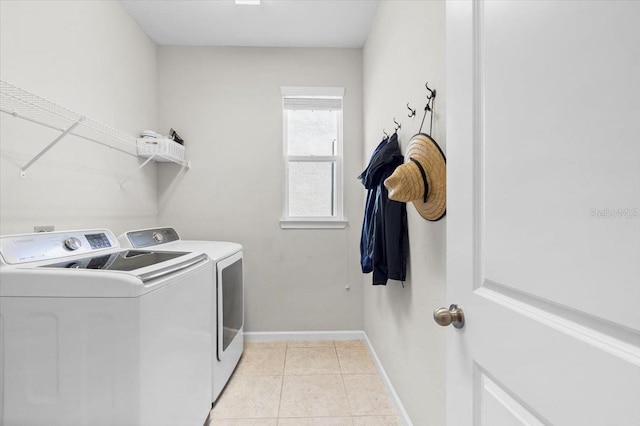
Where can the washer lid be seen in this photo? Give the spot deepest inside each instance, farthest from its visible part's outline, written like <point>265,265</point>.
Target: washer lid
<point>132,260</point>
<point>102,276</point>
<point>127,260</point>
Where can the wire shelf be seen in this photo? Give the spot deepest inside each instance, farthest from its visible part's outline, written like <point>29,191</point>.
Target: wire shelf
<point>31,107</point>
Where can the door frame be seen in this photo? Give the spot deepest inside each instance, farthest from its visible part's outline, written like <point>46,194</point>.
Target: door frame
<point>464,152</point>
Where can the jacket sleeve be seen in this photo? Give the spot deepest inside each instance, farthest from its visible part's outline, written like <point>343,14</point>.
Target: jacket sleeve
<point>396,240</point>
<point>379,253</point>
<point>366,237</point>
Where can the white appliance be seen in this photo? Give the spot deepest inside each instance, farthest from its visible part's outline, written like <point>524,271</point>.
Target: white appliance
<point>91,334</point>
<point>227,283</point>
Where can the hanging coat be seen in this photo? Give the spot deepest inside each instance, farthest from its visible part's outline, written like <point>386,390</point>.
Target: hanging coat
<point>384,241</point>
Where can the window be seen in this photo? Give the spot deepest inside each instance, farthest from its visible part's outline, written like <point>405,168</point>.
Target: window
<point>312,135</point>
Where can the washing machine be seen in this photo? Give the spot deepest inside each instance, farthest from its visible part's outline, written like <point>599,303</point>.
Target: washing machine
<point>227,283</point>
<point>91,334</point>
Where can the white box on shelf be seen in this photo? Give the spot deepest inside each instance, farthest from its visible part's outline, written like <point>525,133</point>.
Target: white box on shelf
<point>165,150</point>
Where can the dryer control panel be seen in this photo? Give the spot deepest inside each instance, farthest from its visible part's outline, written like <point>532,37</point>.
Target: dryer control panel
<point>151,237</point>
<point>24,248</point>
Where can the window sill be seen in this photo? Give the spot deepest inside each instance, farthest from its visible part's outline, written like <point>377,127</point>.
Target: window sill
<point>312,224</point>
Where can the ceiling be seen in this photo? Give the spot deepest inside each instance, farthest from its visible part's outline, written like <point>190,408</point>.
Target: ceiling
<point>273,23</point>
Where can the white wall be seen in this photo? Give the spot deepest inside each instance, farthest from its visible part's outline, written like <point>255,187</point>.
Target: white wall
<point>91,57</point>
<point>226,104</point>
<point>404,50</point>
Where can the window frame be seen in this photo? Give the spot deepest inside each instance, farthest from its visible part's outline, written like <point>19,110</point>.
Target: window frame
<point>319,222</point>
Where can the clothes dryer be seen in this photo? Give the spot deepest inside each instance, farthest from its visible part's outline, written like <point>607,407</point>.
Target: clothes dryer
<point>91,334</point>
<point>227,303</point>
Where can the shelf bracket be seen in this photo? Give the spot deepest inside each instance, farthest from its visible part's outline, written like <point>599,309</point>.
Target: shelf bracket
<point>185,165</point>
<point>140,167</point>
<point>65,132</point>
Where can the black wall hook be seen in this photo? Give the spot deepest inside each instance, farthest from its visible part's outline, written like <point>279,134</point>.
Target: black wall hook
<point>432,93</point>
<point>412,112</point>
<point>398,125</point>
<point>386,135</point>
<point>431,97</point>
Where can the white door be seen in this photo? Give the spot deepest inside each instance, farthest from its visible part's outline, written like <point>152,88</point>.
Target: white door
<point>543,225</point>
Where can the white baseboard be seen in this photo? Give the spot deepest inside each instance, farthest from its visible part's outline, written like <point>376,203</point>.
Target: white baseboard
<point>391,391</point>
<point>272,336</point>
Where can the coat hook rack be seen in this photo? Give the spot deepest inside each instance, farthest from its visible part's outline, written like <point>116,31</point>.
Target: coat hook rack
<point>398,125</point>
<point>412,112</point>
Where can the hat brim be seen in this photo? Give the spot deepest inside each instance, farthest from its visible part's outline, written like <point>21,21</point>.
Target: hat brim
<point>427,151</point>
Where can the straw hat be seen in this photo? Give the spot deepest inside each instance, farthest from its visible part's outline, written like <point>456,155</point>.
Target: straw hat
<point>422,178</point>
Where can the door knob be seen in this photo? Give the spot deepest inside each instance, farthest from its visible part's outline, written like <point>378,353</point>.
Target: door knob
<point>453,315</point>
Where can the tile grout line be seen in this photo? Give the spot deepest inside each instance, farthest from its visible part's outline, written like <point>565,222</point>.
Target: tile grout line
<point>335,348</point>
<point>284,367</point>
<point>344,386</point>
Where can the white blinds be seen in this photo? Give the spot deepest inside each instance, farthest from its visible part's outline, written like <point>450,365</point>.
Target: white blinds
<point>313,104</point>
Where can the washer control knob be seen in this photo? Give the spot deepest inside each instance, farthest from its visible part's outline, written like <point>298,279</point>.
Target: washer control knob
<point>158,237</point>
<point>72,243</point>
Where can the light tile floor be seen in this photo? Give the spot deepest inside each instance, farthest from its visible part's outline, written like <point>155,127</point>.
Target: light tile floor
<point>304,383</point>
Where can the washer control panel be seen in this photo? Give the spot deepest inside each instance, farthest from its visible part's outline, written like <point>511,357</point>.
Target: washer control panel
<point>98,241</point>
<point>24,248</point>
<point>72,243</point>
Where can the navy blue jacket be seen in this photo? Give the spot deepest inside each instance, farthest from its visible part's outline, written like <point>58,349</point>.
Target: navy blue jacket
<point>384,241</point>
